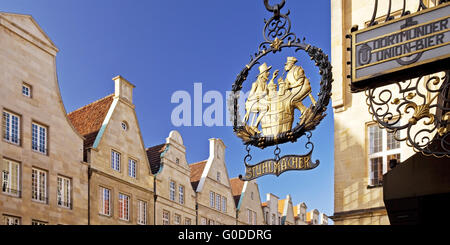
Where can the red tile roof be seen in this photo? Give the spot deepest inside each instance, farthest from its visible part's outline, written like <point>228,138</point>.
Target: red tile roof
<point>88,119</point>
<point>154,157</point>
<point>264,204</point>
<point>236,189</point>
<point>196,173</point>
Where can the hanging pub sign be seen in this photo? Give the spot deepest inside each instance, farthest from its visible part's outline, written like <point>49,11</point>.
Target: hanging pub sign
<point>273,99</point>
<point>408,47</point>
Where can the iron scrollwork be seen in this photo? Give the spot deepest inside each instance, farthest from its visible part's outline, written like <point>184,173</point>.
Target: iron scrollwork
<point>420,108</point>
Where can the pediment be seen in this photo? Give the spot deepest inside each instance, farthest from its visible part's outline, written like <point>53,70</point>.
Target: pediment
<point>29,25</point>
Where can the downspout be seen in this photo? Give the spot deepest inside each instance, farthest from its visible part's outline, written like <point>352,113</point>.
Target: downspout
<point>154,199</point>
<point>88,156</point>
<point>196,210</point>
<point>89,194</point>
<point>161,166</point>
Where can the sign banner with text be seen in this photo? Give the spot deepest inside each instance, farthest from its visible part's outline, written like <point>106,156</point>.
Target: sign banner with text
<point>403,45</point>
<point>274,167</point>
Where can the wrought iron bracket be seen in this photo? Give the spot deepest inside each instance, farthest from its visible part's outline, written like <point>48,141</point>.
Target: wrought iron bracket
<point>416,111</point>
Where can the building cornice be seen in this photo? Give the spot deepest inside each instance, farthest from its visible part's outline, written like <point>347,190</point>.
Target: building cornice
<point>100,172</point>
<point>358,212</point>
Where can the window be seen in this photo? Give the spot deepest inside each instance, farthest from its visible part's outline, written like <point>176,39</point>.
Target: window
<point>210,222</point>
<point>251,195</point>
<point>251,215</point>
<point>39,138</point>
<point>172,191</point>
<point>382,147</point>
<point>177,161</point>
<point>177,220</point>
<point>115,160</point>
<point>212,196</point>
<point>26,90</point>
<point>142,214</point>
<point>273,219</point>
<point>11,177</point>
<point>224,204</point>
<point>124,206</point>
<point>181,194</point>
<point>166,217</point>
<point>132,168</point>
<point>64,192</point>
<point>218,202</point>
<point>218,176</point>
<point>187,221</point>
<point>11,127</point>
<point>203,222</point>
<point>124,126</point>
<point>105,198</point>
<point>38,222</point>
<point>11,220</point>
<point>39,185</point>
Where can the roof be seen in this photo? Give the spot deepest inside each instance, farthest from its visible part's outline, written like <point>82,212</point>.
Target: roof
<point>309,217</point>
<point>88,119</point>
<point>196,172</point>
<point>154,157</point>
<point>264,204</point>
<point>236,189</point>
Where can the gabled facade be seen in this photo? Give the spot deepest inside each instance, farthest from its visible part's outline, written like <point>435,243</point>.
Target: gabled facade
<point>43,177</point>
<point>209,179</point>
<point>300,214</point>
<point>312,217</point>
<point>323,219</point>
<point>175,198</point>
<point>286,210</point>
<point>120,180</point>
<point>270,210</point>
<point>248,202</point>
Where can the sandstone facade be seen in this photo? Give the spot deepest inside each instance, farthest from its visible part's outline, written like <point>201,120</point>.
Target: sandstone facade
<point>212,185</point>
<point>175,198</point>
<point>357,200</point>
<point>248,203</point>
<point>120,179</point>
<point>52,152</point>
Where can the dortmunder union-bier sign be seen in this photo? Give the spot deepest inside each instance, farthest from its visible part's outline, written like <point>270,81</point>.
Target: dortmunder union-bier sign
<point>402,49</point>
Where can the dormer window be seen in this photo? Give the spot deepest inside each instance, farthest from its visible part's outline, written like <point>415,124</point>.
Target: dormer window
<point>26,90</point>
<point>177,161</point>
<point>218,176</point>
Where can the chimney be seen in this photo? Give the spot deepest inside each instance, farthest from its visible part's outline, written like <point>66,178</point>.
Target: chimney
<point>123,89</point>
<point>217,149</point>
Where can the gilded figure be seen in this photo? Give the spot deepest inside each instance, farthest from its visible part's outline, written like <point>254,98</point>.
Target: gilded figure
<point>273,104</point>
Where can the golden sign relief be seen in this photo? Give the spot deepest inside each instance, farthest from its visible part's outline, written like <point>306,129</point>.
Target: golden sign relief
<point>270,106</point>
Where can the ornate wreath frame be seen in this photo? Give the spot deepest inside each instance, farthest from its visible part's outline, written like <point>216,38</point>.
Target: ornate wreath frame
<point>277,34</point>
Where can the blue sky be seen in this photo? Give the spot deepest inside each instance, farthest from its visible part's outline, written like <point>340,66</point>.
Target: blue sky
<point>165,46</point>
